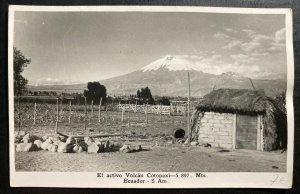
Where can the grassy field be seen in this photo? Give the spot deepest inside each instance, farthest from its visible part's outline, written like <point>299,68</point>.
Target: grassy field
<point>158,154</point>
<point>133,124</point>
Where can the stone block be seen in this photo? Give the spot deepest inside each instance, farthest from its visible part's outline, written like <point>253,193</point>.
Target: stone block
<point>226,138</point>
<point>220,117</point>
<point>227,129</point>
<point>204,120</point>
<point>206,124</point>
<point>220,125</point>
<point>229,125</point>
<point>227,121</point>
<point>223,133</point>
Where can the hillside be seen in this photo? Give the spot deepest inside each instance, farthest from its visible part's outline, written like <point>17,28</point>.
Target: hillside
<point>168,77</point>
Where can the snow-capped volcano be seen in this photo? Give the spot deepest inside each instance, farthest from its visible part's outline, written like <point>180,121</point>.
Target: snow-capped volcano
<point>167,76</point>
<point>171,63</point>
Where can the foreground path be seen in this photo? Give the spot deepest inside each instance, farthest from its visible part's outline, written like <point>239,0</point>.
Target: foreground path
<point>171,158</point>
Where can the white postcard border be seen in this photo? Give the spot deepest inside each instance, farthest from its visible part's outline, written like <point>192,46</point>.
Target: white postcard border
<point>213,180</point>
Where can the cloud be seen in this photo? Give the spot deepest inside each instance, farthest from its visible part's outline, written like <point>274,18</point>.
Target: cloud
<point>240,57</point>
<point>229,30</point>
<point>250,33</point>
<point>257,45</point>
<point>232,44</point>
<point>247,65</point>
<point>218,64</point>
<point>221,36</point>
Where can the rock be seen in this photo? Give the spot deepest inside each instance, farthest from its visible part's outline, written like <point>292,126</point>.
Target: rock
<point>45,137</point>
<point>20,147</point>
<point>88,140</point>
<point>65,148</point>
<point>38,143</point>
<point>77,149</point>
<point>27,147</point>
<point>70,140</point>
<point>125,149</point>
<point>49,140</point>
<point>93,147</point>
<point>45,145</point>
<point>83,145</point>
<point>28,138</point>
<point>53,148</point>
<point>137,148</point>
<point>187,141</point>
<point>194,143</point>
<point>20,134</point>
<point>56,139</point>
<point>56,143</point>
<point>62,147</point>
<point>97,140</point>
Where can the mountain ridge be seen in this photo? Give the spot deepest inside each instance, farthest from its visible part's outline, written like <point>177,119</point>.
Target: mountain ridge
<point>167,76</point>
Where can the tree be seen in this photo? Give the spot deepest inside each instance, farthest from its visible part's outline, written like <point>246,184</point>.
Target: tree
<point>94,92</point>
<point>145,95</point>
<point>20,62</point>
<point>165,101</point>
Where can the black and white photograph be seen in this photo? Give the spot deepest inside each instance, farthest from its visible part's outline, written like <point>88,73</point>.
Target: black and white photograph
<point>141,97</point>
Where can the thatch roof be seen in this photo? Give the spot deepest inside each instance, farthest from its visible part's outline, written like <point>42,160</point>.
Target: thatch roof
<point>234,101</point>
<point>274,120</point>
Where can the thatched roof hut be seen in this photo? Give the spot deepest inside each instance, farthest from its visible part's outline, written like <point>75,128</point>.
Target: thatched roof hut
<point>248,102</point>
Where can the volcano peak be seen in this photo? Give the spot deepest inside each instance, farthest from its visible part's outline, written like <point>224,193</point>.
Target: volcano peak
<point>171,63</point>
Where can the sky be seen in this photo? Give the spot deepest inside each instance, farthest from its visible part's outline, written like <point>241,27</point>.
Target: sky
<point>76,47</point>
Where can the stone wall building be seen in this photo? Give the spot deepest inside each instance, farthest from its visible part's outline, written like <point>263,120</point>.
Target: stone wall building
<point>239,119</point>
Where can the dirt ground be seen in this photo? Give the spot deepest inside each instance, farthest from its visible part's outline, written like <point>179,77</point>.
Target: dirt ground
<point>154,157</point>
<point>169,158</point>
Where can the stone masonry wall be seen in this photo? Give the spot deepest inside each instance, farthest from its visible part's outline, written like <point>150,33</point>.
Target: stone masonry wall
<point>216,129</point>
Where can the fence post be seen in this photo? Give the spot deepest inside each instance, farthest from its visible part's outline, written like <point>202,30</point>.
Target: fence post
<point>99,113</point>
<point>128,118</point>
<point>161,113</point>
<point>147,113</point>
<point>122,118</point>
<point>92,107</point>
<point>34,114</point>
<point>61,106</point>
<point>85,113</point>
<point>173,121</point>
<point>57,115</point>
<point>70,111</point>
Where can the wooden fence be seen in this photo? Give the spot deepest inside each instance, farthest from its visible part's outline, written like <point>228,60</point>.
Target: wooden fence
<point>154,109</point>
